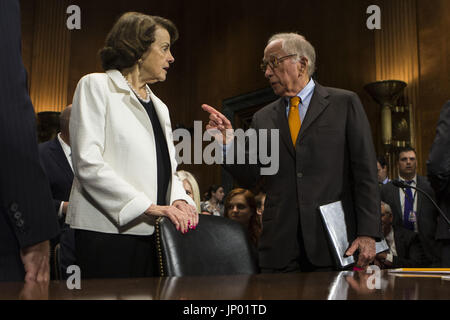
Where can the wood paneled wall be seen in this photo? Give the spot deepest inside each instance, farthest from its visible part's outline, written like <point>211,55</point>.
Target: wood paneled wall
<point>221,44</point>
<point>434,53</point>
<point>397,56</point>
<point>50,57</point>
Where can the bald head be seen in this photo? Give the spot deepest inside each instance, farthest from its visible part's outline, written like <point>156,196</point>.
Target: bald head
<point>64,120</point>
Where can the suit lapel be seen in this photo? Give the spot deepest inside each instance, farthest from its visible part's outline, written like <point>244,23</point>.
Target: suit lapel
<point>282,123</point>
<point>398,205</point>
<point>57,153</point>
<point>141,113</point>
<point>419,199</point>
<point>317,105</point>
<point>139,110</point>
<point>163,117</point>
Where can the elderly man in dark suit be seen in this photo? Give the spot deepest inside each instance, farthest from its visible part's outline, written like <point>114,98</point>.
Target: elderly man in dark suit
<point>412,209</point>
<point>439,174</point>
<point>56,160</point>
<point>326,154</point>
<point>27,216</point>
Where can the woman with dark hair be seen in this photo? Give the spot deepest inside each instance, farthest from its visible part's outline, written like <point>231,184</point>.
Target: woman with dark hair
<point>240,205</point>
<point>213,204</point>
<point>123,153</point>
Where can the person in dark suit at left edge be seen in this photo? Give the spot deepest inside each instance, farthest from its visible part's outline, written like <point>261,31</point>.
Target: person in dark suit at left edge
<point>56,160</point>
<point>438,166</point>
<point>27,216</point>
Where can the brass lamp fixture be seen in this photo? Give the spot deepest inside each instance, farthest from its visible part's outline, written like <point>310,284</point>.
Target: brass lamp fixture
<point>386,93</point>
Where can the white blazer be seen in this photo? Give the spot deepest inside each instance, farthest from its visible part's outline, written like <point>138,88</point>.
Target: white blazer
<point>114,157</point>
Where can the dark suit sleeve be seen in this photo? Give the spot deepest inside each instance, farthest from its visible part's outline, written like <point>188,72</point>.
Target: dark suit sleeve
<point>366,192</point>
<point>389,195</point>
<point>42,158</point>
<point>25,196</point>
<point>246,174</point>
<point>438,163</point>
<point>383,196</point>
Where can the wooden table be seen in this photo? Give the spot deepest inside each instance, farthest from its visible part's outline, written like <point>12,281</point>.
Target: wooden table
<point>300,286</point>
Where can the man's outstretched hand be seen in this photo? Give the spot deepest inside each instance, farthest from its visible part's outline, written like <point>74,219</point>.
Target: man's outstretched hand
<point>218,126</point>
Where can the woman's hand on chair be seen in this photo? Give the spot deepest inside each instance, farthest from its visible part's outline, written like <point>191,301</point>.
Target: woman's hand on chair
<point>183,215</point>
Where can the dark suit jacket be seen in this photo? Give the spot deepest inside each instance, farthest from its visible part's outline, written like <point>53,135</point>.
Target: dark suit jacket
<point>439,169</point>
<point>334,160</point>
<point>410,253</point>
<point>60,175</point>
<point>58,170</point>
<point>27,215</point>
<point>426,216</point>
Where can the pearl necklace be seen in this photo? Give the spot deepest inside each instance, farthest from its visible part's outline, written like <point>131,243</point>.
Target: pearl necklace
<point>147,89</point>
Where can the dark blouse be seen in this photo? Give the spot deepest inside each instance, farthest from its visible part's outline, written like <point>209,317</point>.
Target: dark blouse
<point>162,153</point>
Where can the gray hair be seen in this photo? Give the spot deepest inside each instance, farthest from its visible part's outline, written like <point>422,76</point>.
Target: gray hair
<point>386,207</point>
<point>296,43</point>
<point>64,119</point>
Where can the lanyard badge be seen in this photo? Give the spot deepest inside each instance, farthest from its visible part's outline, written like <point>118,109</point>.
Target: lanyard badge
<point>412,216</point>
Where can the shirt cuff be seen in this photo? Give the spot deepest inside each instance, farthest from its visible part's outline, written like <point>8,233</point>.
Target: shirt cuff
<point>134,209</point>
<point>60,213</point>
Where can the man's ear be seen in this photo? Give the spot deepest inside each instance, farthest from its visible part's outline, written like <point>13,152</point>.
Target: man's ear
<point>303,63</point>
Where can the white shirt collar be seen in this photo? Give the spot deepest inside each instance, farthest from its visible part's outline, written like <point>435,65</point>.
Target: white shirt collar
<point>66,148</point>
<point>414,179</point>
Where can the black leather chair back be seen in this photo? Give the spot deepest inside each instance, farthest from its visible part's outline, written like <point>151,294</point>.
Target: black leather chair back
<point>218,246</point>
<point>55,266</point>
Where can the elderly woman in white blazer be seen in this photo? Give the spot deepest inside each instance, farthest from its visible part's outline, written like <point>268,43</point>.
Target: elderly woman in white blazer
<point>123,154</point>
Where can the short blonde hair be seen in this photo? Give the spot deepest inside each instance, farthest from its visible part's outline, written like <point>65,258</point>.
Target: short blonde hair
<point>186,175</point>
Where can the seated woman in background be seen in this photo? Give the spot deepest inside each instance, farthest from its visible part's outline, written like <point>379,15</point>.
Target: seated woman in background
<point>240,206</point>
<point>213,204</point>
<point>123,154</point>
<point>191,186</point>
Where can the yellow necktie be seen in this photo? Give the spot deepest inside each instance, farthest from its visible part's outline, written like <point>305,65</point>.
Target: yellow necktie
<point>294,119</point>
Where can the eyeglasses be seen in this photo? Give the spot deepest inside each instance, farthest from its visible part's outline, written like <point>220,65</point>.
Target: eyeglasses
<point>274,62</point>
